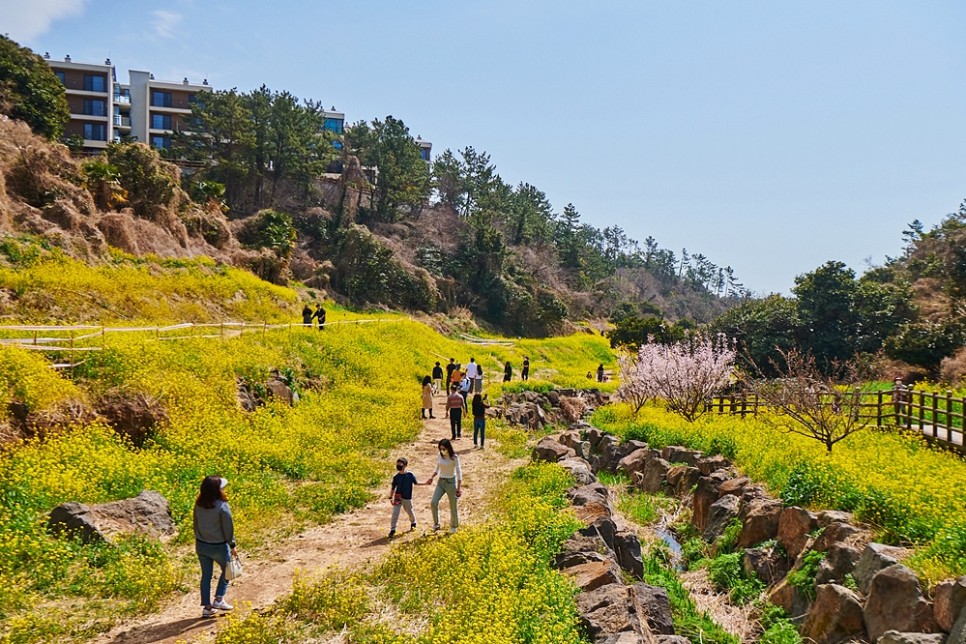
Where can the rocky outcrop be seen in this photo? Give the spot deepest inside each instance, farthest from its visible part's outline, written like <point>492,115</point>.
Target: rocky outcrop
<point>147,513</point>
<point>835,617</point>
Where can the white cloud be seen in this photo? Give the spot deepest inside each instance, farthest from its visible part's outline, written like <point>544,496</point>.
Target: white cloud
<point>165,22</point>
<point>26,19</point>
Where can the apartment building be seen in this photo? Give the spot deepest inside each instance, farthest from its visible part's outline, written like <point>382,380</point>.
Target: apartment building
<point>103,110</point>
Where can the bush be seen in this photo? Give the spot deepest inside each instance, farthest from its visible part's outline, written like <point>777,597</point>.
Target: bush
<point>30,91</point>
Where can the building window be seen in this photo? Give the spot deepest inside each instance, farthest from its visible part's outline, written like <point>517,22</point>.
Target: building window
<point>95,107</point>
<point>424,154</point>
<point>95,131</point>
<point>160,142</point>
<point>60,75</point>
<point>333,125</point>
<point>160,99</point>
<point>94,83</point>
<point>160,121</point>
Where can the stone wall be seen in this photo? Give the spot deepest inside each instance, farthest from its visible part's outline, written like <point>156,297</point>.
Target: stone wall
<point>862,592</point>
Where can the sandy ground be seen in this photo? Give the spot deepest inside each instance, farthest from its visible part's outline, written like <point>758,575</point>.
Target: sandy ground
<point>350,541</point>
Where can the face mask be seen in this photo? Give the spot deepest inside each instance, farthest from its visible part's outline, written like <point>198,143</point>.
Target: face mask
<point>400,466</point>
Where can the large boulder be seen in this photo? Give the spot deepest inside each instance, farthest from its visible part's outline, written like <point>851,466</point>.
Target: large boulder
<point>794,525</point>
<point>720,515</point>
<point>147,513</point>
<point>580,470</point>
<point>759,520</point>
<point>581,549</point>
<point>895,637</point>
<point>705,494</point>
<point>594,574</point>
<point>653,607</point>
<point>682,479</point>
<point>875,557</point>
<point>949,598</point>
<point>633,463</point>
<point>839,561</point>
<point>604,610</point>
<point>837,532</point>
<point>548,449</point>
<point>764,564</point>
<point>652,480</point>
<point>790,599</point>
<point>835,617</point>
<point>677,454</point>
<point>896,603</point>
<point>627,547</point>
<point>710,464</point>
<point>603,527</point>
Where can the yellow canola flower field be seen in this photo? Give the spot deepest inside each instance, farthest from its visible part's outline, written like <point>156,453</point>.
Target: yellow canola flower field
<point>911,493</point>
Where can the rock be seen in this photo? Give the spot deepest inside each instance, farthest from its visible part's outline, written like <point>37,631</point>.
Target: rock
<point>653,479</point>
<point>684,484</point>
<point>246,399</point>
<point>958,634</point>
<point>570,439</point>
<point>279,390</point>
<point>949,598</point>
<point>895,637</point>
<point>587,494</point>
<point>678,454</point>
<point>652,606</point>
<point>875,557</point>
<point>604,610</point>
<point>734,486</point>
<point>759,521</point>
<point>583,450</point>
<point>594,574</point>
<point>627,447</point>
<point>794,525</point>
<point>633,462</point>
<point>624,637</point>
<point>580,470</point>
<point>710,464</point>
<point>606,442</point>
<point>826,517</point>
<point>764,564</point>
<point>790,599</point>
<point>550,450</point>
<point>839,562</point>
<point>835,617</point>
<point>895,603</point>
<point>720,515</point>
<point>147,513</point>
<point>671,639</point>
<point>570,559</point>
<point>593,435</point>
<point>627,547</point>
<point>554,399</point>
<point>835,532</point>
<point>603,527</point>
<point>705,494</point>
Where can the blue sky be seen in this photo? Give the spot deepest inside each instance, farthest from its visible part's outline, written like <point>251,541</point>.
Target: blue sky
<point>768,136</point>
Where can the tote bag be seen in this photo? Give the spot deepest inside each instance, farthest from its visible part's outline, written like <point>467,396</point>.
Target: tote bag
<point>233,569</point>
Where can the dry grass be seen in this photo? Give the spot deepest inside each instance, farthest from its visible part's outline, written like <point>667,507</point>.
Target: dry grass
<point>740,621</point>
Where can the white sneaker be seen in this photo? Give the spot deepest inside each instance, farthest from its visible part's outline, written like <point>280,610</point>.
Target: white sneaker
<point>452,530</point>
<point>221,604</point>
<point>207,612</point>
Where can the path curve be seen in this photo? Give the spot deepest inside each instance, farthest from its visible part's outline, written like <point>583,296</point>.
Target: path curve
<point>350,541</point>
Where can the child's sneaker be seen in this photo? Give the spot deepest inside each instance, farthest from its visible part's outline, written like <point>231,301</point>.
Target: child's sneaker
<point>452,530</point>
<point>412,526</point>
<point>392,533</point>
<point>221,604</point>
<point>207,612</point>
<point>436,528</point>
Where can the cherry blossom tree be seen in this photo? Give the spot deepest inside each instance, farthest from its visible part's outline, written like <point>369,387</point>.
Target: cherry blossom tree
<point>684,374</point>
<point>633,389</point>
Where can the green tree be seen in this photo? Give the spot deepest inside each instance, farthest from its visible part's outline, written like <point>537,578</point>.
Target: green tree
<point>529,215</point>
<point>30,91</point>
<point>764,330</point>
<point>149,182</point>
<point>826,307</point>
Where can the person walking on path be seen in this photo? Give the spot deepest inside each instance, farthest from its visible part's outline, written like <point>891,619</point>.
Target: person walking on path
<point>450,483</point>
<point>437,379</point>
<point>214,541</point>
<point>455,377</point>
<point>525,372</point>
<point>401,495</point>
<point>307,315</point>
<point>479,419</point>
<point>427,397</point>
<point>466,387</point>
<point>455,406</point>
<point>600,372</point>
<point>319,315</point>
<point>478,381</point>
<point>449,373</point>
<point>472,368</point>
<point>507,372</point>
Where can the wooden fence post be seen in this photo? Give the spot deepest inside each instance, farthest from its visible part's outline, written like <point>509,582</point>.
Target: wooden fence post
<point>949,415</point>
<point>878,409</point>
<point>935,414</point>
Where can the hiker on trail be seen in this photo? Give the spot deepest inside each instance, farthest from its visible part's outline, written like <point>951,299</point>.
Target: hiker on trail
<point>466,386</point>
<point>401,495</point>
<point>437,379</point>
<point>449,373</point>
<point>427,397</point>
<point>455,406</point>
<point>320,316</point>
<point>471,369</point>
<point>525,372</point>
<point>507,372</point>
<point>900,400</point>
<point>455,377</point>
<point>307,315</point>
<point>478,381</point>
<point>214,541</point>
<point>450,483</point>
<point>600,372</point>
<point>479,418</point>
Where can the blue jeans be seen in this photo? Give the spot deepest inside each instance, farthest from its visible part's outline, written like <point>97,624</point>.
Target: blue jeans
<point>479,427</point>
<point>208,554</point>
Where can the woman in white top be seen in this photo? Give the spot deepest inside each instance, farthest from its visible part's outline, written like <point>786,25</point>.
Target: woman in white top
<point>450,483</point>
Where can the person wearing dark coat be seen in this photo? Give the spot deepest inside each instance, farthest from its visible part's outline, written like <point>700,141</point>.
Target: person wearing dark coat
<point>507,372</point>
<point>307,315</point>
<point>319,315</point>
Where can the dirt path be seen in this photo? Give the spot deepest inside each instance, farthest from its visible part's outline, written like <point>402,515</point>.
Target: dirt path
<point>352,540</point>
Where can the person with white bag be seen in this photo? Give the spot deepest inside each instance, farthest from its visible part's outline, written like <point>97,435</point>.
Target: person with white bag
<point>214,541</point>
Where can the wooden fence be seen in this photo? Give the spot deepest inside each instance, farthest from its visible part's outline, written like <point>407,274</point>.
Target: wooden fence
<point>938,417</point>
